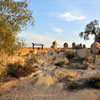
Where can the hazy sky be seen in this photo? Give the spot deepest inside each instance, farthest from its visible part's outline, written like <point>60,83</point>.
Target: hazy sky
<point>60,20</point>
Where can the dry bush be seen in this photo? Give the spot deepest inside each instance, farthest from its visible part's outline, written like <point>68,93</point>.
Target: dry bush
<point>61,63</point>
<point>73,85</point>
<point>69,54</point>
<point>93,82</point>
<point>17,70</point>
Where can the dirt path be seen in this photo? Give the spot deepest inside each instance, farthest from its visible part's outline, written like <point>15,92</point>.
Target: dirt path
<point>25,90</point>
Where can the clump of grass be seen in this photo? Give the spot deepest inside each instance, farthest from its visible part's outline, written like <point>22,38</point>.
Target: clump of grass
<point>94,82</point>
<point>69,54</point>
<point>60,63</point>
<point>77,60</point>
<point>78,66</point>
<point>17,70</point>
<point>73,85</point>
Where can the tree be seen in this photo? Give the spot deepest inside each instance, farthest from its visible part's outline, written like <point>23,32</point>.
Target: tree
<point>14,16</point>
<point>91,29</point>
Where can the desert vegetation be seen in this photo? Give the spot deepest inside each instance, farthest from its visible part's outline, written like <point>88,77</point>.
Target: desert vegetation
<point>38,72</point>
<point>14,16</point>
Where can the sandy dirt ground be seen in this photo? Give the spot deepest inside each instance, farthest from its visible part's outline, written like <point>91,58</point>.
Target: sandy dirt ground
<point>25,90</point>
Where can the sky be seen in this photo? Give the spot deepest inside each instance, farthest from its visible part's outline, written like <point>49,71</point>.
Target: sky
<point>60,20</point>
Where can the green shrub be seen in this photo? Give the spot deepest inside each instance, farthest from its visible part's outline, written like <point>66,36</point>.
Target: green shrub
<point>17,70</point>
<point>70,54</point>
<point>73,85</point>
<point>94,82</point>
<point>60,63</point>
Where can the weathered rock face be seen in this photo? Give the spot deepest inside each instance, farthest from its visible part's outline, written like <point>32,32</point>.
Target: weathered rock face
<point>82,53</point>
<point>61,73</point>
<point>94,59</point>
<point>40,61</point>
<point>95,48</point>
<point>90,58</point>
<point>97,60</point>
<point>45,80</point>
<point>65,45</point>
<point>65,60</point>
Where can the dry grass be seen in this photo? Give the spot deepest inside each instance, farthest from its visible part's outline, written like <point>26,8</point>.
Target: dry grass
<point>17,70</point>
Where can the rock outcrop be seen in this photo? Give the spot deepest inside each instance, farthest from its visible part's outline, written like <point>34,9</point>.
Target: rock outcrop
<point>61,73</point>
<point>45,80</point>
<point>90,58</point>
<point>82,53</point>
<point>95,48</point>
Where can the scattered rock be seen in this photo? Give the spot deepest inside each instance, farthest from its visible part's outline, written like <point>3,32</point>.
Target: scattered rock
<point>45,80</point>
<point>51,68</point>
<point>95,48</point>
<point>97,60</point>
<point>90,58</point>
<point>61,73</point>
<point>65,60</point>
<point>40,61</point>
<point>50,59</point>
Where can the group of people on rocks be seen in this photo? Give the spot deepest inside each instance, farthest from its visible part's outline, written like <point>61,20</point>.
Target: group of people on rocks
<point>74,46</point>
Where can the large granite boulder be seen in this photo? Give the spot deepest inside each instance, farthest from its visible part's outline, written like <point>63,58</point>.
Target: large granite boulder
<point>94,59</point>
<point>90,58</point>
<point>95,48</point>
<point>82,53</point>
<point>97,60</point>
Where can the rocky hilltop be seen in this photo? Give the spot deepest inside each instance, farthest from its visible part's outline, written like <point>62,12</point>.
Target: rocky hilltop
<point>60,74</point>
